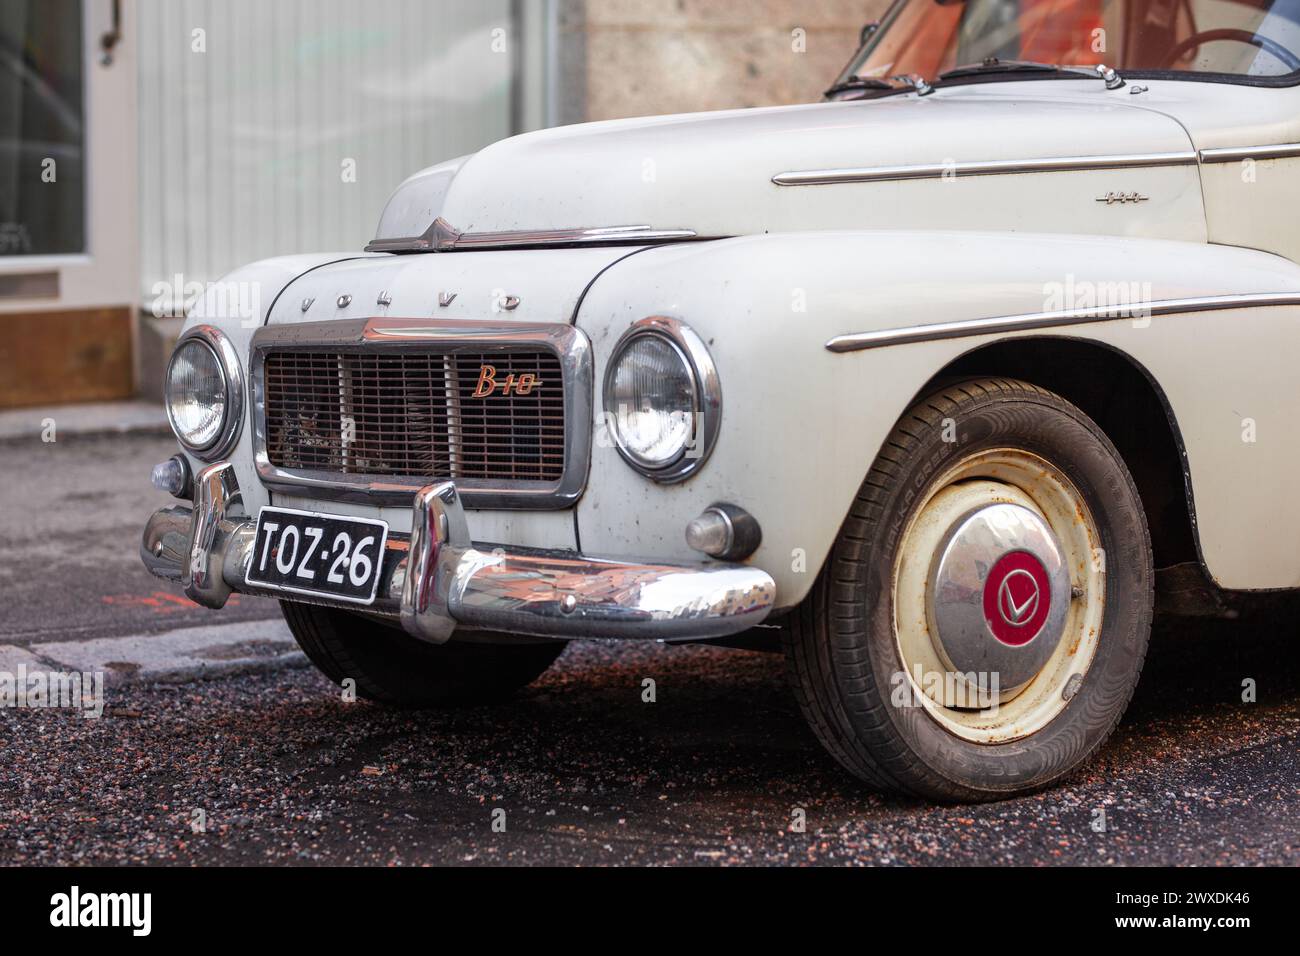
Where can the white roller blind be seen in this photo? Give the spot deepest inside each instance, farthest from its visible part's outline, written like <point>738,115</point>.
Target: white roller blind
<point>250,129</point>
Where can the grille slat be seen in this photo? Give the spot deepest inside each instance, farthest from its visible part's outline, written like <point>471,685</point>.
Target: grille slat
<point>415,414</point>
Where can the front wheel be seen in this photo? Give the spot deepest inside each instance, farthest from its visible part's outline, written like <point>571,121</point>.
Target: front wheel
<point>390,666</point>
<point>981,622</point>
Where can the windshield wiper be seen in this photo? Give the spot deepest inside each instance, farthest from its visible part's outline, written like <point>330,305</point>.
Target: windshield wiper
<point>859,83</point>
<point>908,82</point>
<point>993,64</point>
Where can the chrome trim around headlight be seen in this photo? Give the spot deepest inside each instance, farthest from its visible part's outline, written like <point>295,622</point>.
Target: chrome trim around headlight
<point>708,397</point>
<point>232,372</point>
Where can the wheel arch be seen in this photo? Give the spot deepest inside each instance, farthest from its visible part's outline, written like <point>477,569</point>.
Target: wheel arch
<point>769,306</point>
<point>1118,393</point>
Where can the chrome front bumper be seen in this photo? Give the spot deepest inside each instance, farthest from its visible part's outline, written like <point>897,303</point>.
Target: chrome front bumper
<point>438,579</point>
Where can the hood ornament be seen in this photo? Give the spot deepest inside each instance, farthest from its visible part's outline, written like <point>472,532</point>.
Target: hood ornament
<point>446,298</point>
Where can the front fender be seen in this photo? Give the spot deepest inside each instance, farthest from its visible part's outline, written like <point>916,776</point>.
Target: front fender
<point>801,424</point>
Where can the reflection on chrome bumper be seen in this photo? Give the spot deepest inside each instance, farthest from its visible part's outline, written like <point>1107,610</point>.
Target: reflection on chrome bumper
<point>438,579</point>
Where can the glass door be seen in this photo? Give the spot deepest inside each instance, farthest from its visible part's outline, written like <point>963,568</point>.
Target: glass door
<point>68,237</point>
<point>42,129</point>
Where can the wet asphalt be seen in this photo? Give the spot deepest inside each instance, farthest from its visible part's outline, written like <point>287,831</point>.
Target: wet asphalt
<point>578,768</point>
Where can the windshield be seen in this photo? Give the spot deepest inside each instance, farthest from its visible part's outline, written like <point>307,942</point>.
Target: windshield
<point>1213,38</point>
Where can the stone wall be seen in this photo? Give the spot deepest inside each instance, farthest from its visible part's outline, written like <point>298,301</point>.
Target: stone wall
<point>641,57</point>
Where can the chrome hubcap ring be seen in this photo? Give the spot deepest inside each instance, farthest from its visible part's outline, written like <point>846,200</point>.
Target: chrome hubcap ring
<point>999,592</point>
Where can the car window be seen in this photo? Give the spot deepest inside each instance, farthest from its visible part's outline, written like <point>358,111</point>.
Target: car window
<point>1249,38</point>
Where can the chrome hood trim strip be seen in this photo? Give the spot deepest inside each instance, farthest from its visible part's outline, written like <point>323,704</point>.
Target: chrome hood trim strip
<point>999,167</point>
<point>442,236</point>
<point>861,341</point>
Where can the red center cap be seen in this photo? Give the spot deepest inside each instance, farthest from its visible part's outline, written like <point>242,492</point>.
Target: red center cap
<point>1017,597</point>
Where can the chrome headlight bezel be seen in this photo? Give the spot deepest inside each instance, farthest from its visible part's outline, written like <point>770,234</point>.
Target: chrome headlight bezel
<point>706,400</point>
<point>232,375</point>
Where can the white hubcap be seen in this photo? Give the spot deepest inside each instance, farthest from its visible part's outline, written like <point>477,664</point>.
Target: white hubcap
<point>999,590</point>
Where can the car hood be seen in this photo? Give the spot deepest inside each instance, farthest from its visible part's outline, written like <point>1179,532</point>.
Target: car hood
<point>713,172</point>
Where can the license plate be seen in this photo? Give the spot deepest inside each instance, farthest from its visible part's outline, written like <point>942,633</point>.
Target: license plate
<point>325,555</point>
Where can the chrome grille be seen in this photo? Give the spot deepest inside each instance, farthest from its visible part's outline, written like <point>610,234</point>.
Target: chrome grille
<point>413,413</point>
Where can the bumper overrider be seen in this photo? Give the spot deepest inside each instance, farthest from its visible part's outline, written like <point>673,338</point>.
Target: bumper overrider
<point>437,579</point>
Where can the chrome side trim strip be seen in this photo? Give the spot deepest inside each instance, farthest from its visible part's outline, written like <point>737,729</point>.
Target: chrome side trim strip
<point>570,345</point>
<point>1230,154</point>
<point>997,167</point>
<point>860,341</point>
<point>442,236</point>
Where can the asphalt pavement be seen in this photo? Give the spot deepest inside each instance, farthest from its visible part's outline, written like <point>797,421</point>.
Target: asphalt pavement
<point>273,765</point>
<point>71,514</point>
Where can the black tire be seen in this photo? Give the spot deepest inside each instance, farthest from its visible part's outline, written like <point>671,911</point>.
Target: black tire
<point>840,643</point>
<point>391,667</point>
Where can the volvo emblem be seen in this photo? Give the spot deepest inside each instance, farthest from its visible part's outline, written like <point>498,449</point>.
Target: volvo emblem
<point>1017,598</point>
<point>1014,611</point>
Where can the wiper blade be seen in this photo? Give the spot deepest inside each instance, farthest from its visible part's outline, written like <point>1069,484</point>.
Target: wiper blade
<point>908,81</point>
<point>994,65</point>
<point>859,83</point>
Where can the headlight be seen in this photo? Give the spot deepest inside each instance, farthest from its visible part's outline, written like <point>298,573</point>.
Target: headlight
<point>204,393</point>
<point>662,399</point>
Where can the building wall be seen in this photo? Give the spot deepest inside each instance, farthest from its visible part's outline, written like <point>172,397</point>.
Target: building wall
<point>284,125</point>
<point>644,57</point>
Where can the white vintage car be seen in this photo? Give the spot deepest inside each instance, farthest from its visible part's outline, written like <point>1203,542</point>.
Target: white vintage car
<point>925,380</point>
